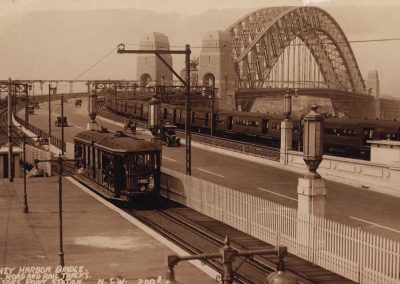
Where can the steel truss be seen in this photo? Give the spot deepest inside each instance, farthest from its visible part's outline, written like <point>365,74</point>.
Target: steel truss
<point>260,39</point>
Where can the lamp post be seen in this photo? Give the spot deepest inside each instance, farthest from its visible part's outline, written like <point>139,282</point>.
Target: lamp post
<point>154,116</point>
<point>313,141</point>
<point>92,109</point>
<point>227,256</point>
<point>286,129</point>
<point>60,160</point>
<point>311,189</point>
<point>52,92</point>
<point>210,93</point>
<point>287,105</point>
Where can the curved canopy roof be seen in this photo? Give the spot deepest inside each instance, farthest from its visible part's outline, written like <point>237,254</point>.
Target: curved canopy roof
<point>112,142</point>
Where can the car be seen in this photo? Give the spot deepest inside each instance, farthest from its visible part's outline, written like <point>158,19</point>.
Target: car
<point>167,134</point>
<point>31,109</point>
<point>61,121</point>
<point>78,102</point>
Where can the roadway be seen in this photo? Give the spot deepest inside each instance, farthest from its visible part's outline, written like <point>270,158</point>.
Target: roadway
<point>358,207</point>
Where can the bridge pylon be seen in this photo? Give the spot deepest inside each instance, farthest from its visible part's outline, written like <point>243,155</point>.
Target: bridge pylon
<point>149,67</point>
<point>216,68</point>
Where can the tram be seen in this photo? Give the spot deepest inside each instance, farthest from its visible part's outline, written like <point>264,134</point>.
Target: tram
<point>122,166</point>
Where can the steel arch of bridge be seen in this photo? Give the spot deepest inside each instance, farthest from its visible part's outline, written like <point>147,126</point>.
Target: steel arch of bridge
<point>260,37</point>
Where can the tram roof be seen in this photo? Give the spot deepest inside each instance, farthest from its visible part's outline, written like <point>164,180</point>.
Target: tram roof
<point>112,142</point>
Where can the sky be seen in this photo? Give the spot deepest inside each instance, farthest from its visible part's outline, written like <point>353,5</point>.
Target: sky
<point>62,39</point>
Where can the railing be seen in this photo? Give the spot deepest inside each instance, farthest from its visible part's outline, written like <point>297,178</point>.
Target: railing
<point>42,134</point>
<point>353,253</point>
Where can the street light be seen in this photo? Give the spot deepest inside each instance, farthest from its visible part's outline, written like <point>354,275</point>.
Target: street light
<point>227,255</point>
<point>92,109</point>
<point>52,92</point>
<point>287,104</point>
<point>210,93</point>
<point>281,275</point>
<point>313,125</point>
<point>154,115</point>
<point>60,160</point>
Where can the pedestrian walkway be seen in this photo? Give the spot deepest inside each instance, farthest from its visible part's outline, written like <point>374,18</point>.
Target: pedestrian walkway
<point>99,242</point>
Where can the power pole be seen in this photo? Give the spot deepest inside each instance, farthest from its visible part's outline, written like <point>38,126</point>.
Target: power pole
<point>186,83</point>
<point>10,145</point>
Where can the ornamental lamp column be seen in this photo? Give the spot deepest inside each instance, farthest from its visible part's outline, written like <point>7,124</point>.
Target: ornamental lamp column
<point>286,129</point>
<point>312,188</point>
<point>154,116</point>
<point>92,109</point>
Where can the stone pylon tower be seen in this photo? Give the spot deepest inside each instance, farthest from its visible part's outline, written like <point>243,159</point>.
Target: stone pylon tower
<point>372,86</point>
<point>149,67</point>
<point>216,67</point>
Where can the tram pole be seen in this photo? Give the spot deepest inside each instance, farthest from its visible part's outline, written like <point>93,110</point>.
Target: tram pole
<point>10,145</point>
<point>60,160</point>
<point>186,83</point>
<point>188,123</point>
<point>62,125</point>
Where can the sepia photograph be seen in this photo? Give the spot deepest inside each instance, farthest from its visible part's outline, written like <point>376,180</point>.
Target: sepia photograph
<point>213,141</point>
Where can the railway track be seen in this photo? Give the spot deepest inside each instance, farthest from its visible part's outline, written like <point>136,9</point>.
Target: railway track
<point>197,233</point>
<point>270,153</point>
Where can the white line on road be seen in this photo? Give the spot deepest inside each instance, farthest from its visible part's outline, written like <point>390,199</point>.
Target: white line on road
<point>78,127</point>
<point>169,159</point>
<point>203,170</point>
<point>375,224</point>
<point>260,188</point>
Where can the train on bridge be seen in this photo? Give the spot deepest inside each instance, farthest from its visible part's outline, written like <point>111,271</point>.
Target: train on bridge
<point>342,137</point>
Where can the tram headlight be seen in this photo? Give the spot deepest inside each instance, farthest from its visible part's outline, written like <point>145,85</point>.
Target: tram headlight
<point>151,182</point>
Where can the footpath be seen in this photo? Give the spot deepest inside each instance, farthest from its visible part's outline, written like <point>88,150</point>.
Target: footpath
<point>101,244</point>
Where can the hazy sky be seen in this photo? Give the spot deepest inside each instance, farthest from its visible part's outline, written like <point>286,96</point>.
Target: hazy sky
<point>61,39</point>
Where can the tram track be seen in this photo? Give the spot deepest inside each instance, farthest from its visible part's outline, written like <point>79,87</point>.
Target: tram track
<point>197,233</point>
<point>197,241</point>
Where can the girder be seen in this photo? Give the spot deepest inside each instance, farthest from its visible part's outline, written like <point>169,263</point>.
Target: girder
<point>260,39</point>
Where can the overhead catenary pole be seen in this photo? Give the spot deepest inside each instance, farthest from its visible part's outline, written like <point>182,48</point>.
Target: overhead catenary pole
<point>49,114</point>
<point>10,145</point>
<point>186,83</point>
<point>188,125</point>
<point>60,217</point>
<point>62,125</point>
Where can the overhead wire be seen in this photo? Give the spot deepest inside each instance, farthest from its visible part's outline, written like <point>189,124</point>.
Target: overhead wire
<point>296,44</point>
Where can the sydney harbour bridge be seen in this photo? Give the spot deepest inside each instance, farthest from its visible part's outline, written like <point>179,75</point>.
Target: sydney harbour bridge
<point>259,57</point>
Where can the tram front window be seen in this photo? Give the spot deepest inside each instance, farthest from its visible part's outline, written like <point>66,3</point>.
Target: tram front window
<point>143,161</point>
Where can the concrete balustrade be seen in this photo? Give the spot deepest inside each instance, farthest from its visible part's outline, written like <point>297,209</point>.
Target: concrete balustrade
<point>376,176</point>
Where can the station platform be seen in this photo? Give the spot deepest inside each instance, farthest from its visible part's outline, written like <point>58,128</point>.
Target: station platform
<point>100,243</point>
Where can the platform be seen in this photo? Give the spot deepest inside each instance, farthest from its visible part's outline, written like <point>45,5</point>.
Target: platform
<point>99,242</point>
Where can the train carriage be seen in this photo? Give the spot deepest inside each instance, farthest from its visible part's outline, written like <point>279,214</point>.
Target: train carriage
<point>169,113</point>
<point>201,119</point>
<point>249,124</point>
<point>124,167</point>
<point>349,137</point>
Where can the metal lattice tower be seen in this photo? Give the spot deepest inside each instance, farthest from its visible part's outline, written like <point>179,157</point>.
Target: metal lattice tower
<point>294,47</point>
